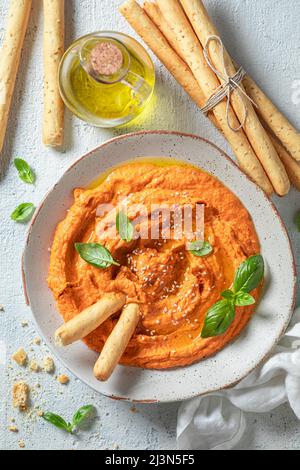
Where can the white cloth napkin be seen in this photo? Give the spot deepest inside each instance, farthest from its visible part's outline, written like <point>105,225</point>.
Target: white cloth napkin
<point>216,421</point>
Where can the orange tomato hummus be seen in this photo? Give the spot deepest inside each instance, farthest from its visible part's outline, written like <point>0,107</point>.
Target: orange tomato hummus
<point>173,287</point>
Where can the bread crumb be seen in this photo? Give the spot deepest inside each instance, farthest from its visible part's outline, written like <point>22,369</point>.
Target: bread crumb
<point>1,308</point>
<point>20,357</point>
<point>48,364</point>
<point>37,341</point>
<point>34,367</point>
<point>13,429</point>
<point>20,395</point>
<point>63,379</point>
<point>40,413</point>
<point>21,444</point>
<point>24,323</point>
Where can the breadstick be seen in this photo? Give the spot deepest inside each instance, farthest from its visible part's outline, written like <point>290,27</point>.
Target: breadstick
<point>292,167</point>
<point>261,143</point>
<point>197,95</point>
<point>154,13</point>
<point>53,125</point>
<point>193,90</point>
<point>117,342</point>
<point>278,123</point>
<point>88,320</point>
<point>153,37</point>
<point>18,16</point>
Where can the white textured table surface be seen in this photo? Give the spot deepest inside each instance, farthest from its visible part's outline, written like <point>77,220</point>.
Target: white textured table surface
<point>264,36</point>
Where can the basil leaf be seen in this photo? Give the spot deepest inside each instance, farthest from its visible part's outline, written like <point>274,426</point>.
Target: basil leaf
<point>242,299</point>
<point>23,212</point>
<point>218,319</point>
<point>249,274</point>
<point>124,226</point>
<point>81,415</point>
<point>26,174</point>
<point>198,248</point>
<point>57,421</point>
<point>96,255</point>
<point>228,294</point>
<point>221,315</point>
<point>297,220</point>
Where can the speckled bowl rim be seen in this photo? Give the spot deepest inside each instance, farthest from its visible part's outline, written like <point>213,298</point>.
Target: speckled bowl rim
<point>265,196</point>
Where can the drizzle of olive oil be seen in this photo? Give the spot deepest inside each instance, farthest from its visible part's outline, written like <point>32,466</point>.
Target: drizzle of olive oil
<point>158,161</point>
<point>108,101</point>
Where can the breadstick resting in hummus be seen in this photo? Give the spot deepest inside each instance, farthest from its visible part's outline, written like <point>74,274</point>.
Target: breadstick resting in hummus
<point>154,301</point>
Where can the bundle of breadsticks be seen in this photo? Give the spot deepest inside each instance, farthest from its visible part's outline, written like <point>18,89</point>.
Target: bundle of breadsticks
<point>18,16</point>
<point>91,318</point>
<point>265,143</point>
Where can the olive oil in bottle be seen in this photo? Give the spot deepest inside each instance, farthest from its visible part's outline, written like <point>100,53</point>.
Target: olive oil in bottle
<point>106,79</point>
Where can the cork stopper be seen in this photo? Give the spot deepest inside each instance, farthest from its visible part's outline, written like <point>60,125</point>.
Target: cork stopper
<point>106,59</point>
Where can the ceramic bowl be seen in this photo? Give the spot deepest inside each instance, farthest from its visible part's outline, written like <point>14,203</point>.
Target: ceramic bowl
<point>236,360</point>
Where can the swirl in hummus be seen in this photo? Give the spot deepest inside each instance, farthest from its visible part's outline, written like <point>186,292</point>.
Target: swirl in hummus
<point>174,288</point>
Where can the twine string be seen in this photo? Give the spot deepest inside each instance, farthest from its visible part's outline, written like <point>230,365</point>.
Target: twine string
<point>230,84</point>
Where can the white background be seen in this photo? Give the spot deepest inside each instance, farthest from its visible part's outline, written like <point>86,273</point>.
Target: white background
<point>264,37</point>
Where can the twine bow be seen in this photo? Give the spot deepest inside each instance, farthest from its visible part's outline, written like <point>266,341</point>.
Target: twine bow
<point>225,89</point>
